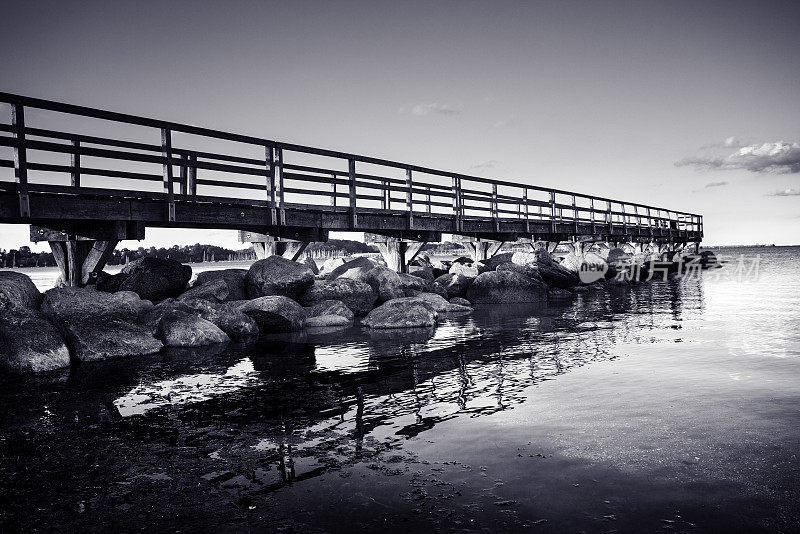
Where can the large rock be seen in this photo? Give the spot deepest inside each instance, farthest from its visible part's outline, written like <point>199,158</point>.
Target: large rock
<point>454,284</point>
<point>311,264</point>
<point>426,273</point>
<point>386,282</point>
<point>276,275</point>
<point>555,275</point>
<point>154,278</point>
<point>492,263</point>
<point>17,289</point>
<point>467,270</point>
<point>359,296</point>
<point>221,286</point>
<point>406,312</point>
<point>440,305</point>
<point>29,342</point>
<point>330,264</point>
<point>412,284</point>
<point>530,270</point>
<point>505,287</point>
<point>98,325</point>
<point>180,329</point>
<point>236,324</point>
<point>275,313</point>
<point>330,307</point>
<point>355,269</point>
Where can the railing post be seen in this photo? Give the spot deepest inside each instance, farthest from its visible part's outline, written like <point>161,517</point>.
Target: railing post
<point>191,175</point>
<point>609,218</point>
<point>552,212</point>
<point>495,209</point>
<point>575,214</point>
<point>75,163</point>
<point>278,170</point>
<point>428,198</point>
<point>410,198</point>
<point>351,175</point>
<point>20,159</point>
<point>456,186</point>
<point>166,151</point>
<point>527,210</point>
<point>269,169</point>
<point>649,223</point>
<point>591,206</point>
<point>183,175</point>
<point>333,190</point>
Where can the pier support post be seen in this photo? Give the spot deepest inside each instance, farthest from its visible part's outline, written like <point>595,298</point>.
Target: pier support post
<point>398,254</point>
<point>291,248</point>
<point>482,250</point>
<point>547,246</point>
<point>82,249</point>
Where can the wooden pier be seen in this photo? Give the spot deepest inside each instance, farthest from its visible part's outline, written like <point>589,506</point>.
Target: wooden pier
<point>105,176</point>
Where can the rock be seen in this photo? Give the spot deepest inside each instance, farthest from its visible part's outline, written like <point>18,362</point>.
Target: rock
<point>386,282</point>
<point>155,278</point>
<point>615,256</point>
<point>17,289</point>
<point>530,270</point>
<point>467,270</point>
<point>105,282</point>
<point>571,262</point>
<point>439,289</point>
<point>98,325</point>
<point>236,324</point>
<point>311,264</point>
<point>422,260</point>
<point>559,294</point>
<point>492,263</point>
<point>222,286</point>
<point>460,302</point>
<point>359,296</point>
<point>441,305</point>
<point>555,275</point>
<point>355,269</point>
<point>277,276</point>
<point>426,273</point>
<point>323,321</point>
<point>275,313</point>
<point>406,312</point>
<point>505,287</point>
<point>330,307</point>
<point>454,284</point>
<point>412,283</point>
<point>29,342</point>
<point>330,265</point>
<point>463,259</point>
<point>181,329</point>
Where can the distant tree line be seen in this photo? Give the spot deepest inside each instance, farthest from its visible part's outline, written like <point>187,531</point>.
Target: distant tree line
<point>25,257</point>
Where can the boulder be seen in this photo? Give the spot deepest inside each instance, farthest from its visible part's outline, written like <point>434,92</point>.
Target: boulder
<point>439,289</point>
<point>413,283</point>
<point>277,276</point>
<point>181,329</point>
<point>98,325</point>
<point>386,282</point>
<point>325,321</point>
<point>506,287</point>
<point>460,302</point>
<point>311,264</point>
<point>355,269</point>
<point>330,307</point>
<point>236,324</point>
<point>426,273</point>
<point>492,263</point>
<point>454,284</point>
<point>440,305</point>
<point>572,262</point>
<point>406,312</point>
<point>467,270</point>
<point>17,289</point>
<point>109,283</point>
<point>555,275</point>
<point>359,296</point>
<point>29,342</point>
<point>559,294</point>
<point>530,270</point>
<point>155,278</point>
<point>422,260</point>
<point>330,265</point>
<point>275,313</point>
<point>222,286</point>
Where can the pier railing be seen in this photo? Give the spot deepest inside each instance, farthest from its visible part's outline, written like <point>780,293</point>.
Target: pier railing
<point>101,152</point>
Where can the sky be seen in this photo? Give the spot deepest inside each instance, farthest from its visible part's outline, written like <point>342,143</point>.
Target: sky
<point>693,106</point>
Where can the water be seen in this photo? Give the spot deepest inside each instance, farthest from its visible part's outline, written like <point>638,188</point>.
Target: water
<point>666,406</point>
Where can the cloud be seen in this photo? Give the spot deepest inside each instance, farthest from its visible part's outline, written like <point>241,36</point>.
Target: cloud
<point>728,142</point>
<point>785,193</point>
<point>500,124</point>
<point>436,108</point>
<point>776,158</point>
<point>716,184</point>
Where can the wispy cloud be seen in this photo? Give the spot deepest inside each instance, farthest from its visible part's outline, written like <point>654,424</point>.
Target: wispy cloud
<point>728,142</point>
<point>432,108</point>
<point>777,158</point>
<point>785,193</point>
<point>716,184</point>
<point>500,124</point>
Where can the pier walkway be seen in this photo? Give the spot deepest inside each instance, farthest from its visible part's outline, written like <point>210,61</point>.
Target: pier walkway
<point>86,178</point>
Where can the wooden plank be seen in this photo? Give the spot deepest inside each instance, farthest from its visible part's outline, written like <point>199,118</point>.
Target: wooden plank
<point>410,198</point>
<point>279,185</point>
<point>351,170</point>
<point>75,163</point>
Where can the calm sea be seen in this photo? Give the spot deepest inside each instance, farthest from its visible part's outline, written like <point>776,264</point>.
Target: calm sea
<point>667,406</point>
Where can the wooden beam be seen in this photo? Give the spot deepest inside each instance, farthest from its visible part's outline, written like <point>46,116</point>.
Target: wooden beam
<point>20,159</point>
